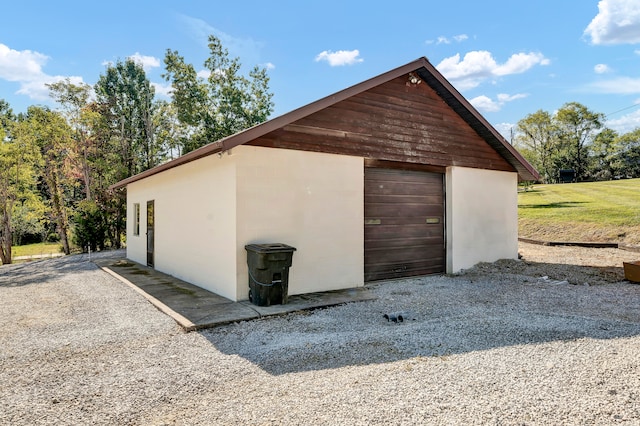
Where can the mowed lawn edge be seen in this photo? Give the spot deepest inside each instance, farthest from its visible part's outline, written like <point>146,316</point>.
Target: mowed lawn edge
<point>586,212</point>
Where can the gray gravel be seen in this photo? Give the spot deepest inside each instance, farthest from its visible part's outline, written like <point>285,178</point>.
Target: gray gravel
<point>495,345</point>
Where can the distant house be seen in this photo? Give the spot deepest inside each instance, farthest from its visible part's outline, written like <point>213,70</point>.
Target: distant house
<point>394,177</point>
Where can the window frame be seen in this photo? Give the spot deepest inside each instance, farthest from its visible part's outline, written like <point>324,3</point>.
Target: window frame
<point>136,219</point>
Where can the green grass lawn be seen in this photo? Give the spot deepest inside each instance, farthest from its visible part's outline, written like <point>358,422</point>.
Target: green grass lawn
<point>590,211</point>
<point>36,249</point>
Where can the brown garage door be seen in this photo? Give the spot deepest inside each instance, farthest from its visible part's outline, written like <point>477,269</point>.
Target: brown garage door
<point>404,223</point>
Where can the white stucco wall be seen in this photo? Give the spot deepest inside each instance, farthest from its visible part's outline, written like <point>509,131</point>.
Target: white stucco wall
<point>195,222</point>
<point>206,211</point>
<point>482,216</point>
<point>311,201</point>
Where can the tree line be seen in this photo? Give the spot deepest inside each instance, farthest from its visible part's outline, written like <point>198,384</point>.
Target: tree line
<point>56,165</point>
<point>576,138</point>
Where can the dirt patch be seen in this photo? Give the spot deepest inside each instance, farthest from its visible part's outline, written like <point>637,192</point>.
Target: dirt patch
<point>576,265</point>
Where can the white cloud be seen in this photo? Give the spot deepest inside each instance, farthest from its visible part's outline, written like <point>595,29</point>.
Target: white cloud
<point>269,66</point>
<point>445,40</point>
<point>162,90</point>
<point>147,62</point>
<point>503,97</point>
<point>204,74</point>
<point>20,65</point>
<point>519,63</point>
<point>617,22</point>
<point>477,66</point>
<point>505,129</point>
<point>339,58</point>
<point>620,85</point>
<point>601,69</point>
<point>626,123</point>
<point>485,104</point>
<point>25,67</point>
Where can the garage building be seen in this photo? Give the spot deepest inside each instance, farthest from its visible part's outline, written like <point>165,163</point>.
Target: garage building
<point>394,177</point>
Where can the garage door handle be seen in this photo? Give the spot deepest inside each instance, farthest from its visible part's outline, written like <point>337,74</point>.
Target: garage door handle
<point>433,220</point>
<point>372,222</point>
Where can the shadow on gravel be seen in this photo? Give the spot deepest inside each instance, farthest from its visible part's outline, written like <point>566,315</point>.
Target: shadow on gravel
<point>39,271</point>
<point>435,338</point>
<point>484,309</point>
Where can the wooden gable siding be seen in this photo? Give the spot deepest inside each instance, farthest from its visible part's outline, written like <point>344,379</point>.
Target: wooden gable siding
<point>393,122</point>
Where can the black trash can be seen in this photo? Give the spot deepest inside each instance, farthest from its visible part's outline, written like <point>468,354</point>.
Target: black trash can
<point>269,273</point>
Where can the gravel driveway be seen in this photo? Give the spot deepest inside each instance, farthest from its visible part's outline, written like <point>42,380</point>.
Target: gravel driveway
<point>498,344</point>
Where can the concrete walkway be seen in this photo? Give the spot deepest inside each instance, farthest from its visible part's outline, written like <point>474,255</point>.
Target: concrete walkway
<point>194,308</point>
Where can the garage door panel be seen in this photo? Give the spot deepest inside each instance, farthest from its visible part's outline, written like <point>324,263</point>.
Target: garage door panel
<point>390,233</point>
<point>403,254</point>
<point>395,241</point>
<point>403,210</point>
<point>404,223</point>
<point>386,188</point>
<point>420,199</point>
<point>398,175</point>
<point>407,269</point>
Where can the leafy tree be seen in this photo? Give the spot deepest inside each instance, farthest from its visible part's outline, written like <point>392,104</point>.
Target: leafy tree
<point>559,141</point>
<point>604,157</point>
<point>19,159</point>
<point>223,104</point>
<point>6,118</point>
<point>90,226</point>
<point>536,137</point>
<point>125,98</point>
<point>577,128</point>
<point>171,134</point>
<point>83,118</point>
<point>627,154</point>
<point>49,131</point>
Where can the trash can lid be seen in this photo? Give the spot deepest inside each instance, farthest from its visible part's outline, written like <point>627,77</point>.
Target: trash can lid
<point>269,248</point>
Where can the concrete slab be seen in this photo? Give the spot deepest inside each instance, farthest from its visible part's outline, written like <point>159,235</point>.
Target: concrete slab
<point>195,308</point>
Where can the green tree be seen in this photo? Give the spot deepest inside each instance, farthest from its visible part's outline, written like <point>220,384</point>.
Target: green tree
<point>19,159</point>
<point>627,154</point>
<point>125,98</point>
<point>536,137</point>
<point>223,104</point>
<point>604,156</point>
<point>7,118</point>
<point>560,141</point>
<point>170,133</point>
<point>83,118</point>
<point>90,226</point>
<point>49,131</point>
<point>28,219</point>
<point>577,128</point>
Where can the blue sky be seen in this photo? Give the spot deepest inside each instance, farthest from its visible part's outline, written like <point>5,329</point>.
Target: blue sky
<point>509,58</point>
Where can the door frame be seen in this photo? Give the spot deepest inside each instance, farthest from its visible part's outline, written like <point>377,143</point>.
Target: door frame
<point>150,232</point>
<point>424,168</point>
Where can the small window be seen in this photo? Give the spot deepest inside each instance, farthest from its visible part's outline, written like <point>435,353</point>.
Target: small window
<point>136,219</point>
